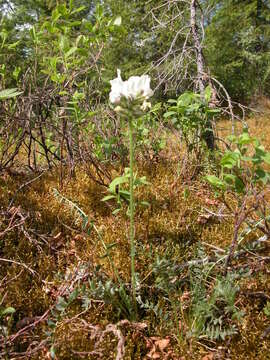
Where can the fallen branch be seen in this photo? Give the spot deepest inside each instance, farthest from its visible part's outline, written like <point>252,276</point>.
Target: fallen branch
<point>224,258</point>
<point>33,272</point>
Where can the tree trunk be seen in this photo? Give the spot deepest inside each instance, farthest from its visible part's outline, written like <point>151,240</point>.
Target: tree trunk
<point>208,134</point>
<point>259,10</point>
<point>199,54</point>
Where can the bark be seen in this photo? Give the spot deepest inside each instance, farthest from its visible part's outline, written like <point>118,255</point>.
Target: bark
<point>199,53</point>
<point>208,134</point>
<point>259,10</point>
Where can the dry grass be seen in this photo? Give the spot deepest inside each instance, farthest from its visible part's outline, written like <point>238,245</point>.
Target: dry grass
<point>174,224</point>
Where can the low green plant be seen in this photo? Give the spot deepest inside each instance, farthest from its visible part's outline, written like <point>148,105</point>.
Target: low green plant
<point>167,275</point>
<point>243,167</point>
<point>115,293</point>
<point>150,137</point>
<point>243,176</point>
<point>193,116</point>
<point>118,190</point>
<point>58,312</point>
<point>9,93</point>
<point>213,313</point>
<point>266,309</point>
<point>112,293</point>
<point>209,311</point>
<point>6,314</point>
<point>6,318</point>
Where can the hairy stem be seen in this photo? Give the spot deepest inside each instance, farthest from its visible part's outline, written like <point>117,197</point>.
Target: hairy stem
<point>131,209</point>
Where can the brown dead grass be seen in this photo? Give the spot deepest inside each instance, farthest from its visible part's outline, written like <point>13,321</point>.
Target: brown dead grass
<point>172,224</point>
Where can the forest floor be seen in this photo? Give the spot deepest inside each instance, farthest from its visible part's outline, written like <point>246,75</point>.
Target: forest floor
<point>55,255</point>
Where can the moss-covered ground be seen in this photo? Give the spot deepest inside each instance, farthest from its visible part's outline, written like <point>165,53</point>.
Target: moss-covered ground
<point>53,253</point>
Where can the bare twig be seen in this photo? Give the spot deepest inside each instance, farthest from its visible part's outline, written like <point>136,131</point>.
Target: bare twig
<point>33,272</point>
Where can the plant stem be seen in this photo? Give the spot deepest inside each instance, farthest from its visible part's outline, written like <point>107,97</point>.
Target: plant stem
<point>131,210</point>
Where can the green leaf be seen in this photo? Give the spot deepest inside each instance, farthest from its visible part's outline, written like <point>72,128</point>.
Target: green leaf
<point>55,15</point>
<point>73,295</point>
<point>52,352</point>
<point>13,46</point>
<point>266,158</point>
<point>74,23</point>
<point>51,324</point>
<point>8,311</point>
<point>229,160</point>
<point>145,203</point>
<point>168,114</point>
<point>213,111</point>
<point>216,182</point>
<point>208,94</point>
<point>82,52</point>
<point>116,211</point>
<point>70,52</point>
<point>9,93</point>
<point>118,181</point>
<point>249,158</point>
<point>118,21</point>
<point>124,193</point>
<point>81,8</point>
<point>239,185</point>
<point>110,246</point>
<point>262,175</point>
<point>232,138</point>
<point>266,309</point>
<point>141,181</point>
<point>16,72</point>
<point>108,197</point>
<point>245,139</point>
<point>62,304</point>
<point>63,42</point>
<point>229,179</point>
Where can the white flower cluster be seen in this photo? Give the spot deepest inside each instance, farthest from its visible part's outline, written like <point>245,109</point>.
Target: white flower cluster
<point>134,87</point>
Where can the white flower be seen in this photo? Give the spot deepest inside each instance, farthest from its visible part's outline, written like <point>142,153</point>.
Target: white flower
<point>117,86</point>
<point>135,86</point>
